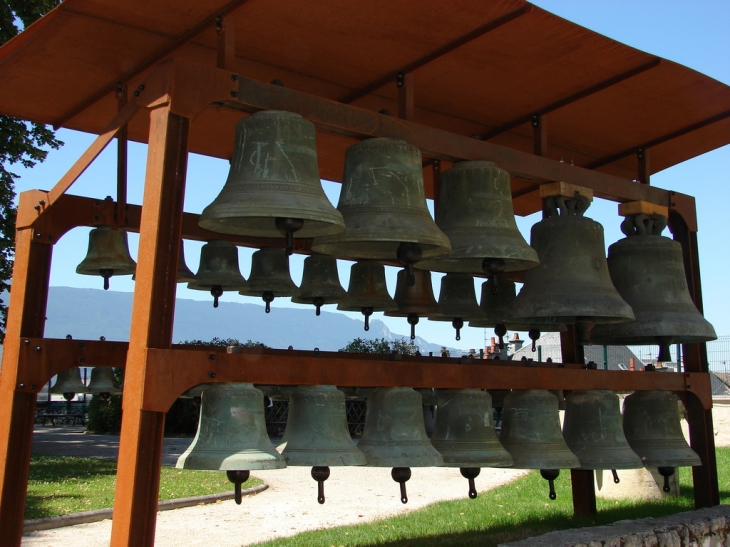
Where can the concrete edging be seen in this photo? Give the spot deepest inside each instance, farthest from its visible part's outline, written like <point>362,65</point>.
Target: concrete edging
<point>103,514</point>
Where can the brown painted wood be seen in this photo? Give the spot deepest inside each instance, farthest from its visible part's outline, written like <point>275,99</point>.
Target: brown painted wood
<point>540,135</point>
<point>644,168</point>
<point>584,492</point>
<point>26,317</point>
<point>226,29</point>
<point>140,447</point>
<point>405,96</point>
<point>122,158</point>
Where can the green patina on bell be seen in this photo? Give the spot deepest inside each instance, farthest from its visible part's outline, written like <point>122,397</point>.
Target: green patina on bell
<point>270,277</point>
<point>320,282</point>
<point>102,382</point>
<point>414,299</point>
<point>367,291</point>
<point>594,431</point>
<point>218,271</point>
<point>69,383</point>
<point>108,254</point>
<point>458,301</point>
<point>464,434</point>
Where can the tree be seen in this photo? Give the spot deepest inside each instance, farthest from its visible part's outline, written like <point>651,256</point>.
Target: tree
<point>21,142</point>
<point>224,342</point>
<point>381,345</point>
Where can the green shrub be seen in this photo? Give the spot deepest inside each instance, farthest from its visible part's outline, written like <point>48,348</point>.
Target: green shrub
<point>105,416</point>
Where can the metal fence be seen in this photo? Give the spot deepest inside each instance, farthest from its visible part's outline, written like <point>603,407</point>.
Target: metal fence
<point>277,413</point>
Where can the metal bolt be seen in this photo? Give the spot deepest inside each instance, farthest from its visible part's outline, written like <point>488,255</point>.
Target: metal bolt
<point>50,238</point>
<point>38,349</point>
<point>82,360</point>
<point>141,87</point>
<point>234,94</point>
<point>234,77</point>
<point>96,218</point>
<point>211,375</point>
<point>33,387</point>
<point>97,202</point>
<point>689,386</point>
<point>211,356</point>
<point>26,342</point>
<point>41,201</point>
<point>21,386</point>
<point>37,207</point>
<point>82,344</point>
<point>38,236</point>
<point>136,93</point>
<point>400,79</point>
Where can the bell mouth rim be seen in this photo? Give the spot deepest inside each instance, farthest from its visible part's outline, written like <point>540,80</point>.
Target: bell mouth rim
<point>281,293</point>
<point>377,306</point>
<point>326,300</point>
<point>313,227</point>
<point>195,286</point>
<point>471,265</point>
<point>371,249</point>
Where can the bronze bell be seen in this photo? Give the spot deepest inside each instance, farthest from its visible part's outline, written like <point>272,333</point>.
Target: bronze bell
<point>273,187</point>
<point>531,434</point>
<point>496,307</point>
<point>103,383</point>
<point>270,276</point>
<point>571,285</point>
<point>415,299</point>
<point>69,383</point>
<point>464,433</point>
<point>475,211</point>
<point>458,301</point>
<point>384,206</point>
<point>320,282</point>
<point>593,431</point>
<point>316,433</point>
<point>218,270</point>
<point>648,272</point>
<point>367,291</point>
<point>184,275</point>
<point>231,435</point>
<point>108,254</point>
<point>653,429</point>
<point>395,435</point>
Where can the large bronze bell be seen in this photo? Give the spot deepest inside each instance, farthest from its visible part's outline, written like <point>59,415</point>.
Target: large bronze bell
<point>648,272</point>
<point>571,285</point>
<point>316,433</point>
<point>475,211</point>
<point>273,187</point>
<point>414,299</point>
<point>367,291</point>
<point>593,431</point>
<point>231,435</point>
<point>320,282</point>
<point>395,435</point>
<point>270,276</point>
<point>102,383</point>
<point>68,383</point>
<point>384,206</point>
<point>458,301</point>
<point>464,433</point>
<point>531,434</point>
<point>218,270</point>
<point>108,254</point>
<point>653,429</point>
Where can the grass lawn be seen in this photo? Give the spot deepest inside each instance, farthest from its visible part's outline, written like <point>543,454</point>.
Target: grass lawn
<point>60,485</point>
<point>515,511</point>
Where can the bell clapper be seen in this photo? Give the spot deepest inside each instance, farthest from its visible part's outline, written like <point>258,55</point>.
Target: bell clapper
<point>665,355</point>
<point>494,267</point>
<point>288,226</point>
<point>413,321</point>
<point>105,396</point>
<point>550,475</point>
<point>217,292</point>
<point>471,473</point>
<point>106,274</point>
<point>237,478</point>
<point>615,476</point>
<point>268,297</point>
<point>534,335</point>
<point>401,476</point>
<point>320,473</point>
<point>585,326</point>
<point>500,330</point>
<point>458,324</point>
<point>666,472</point>
<point>318,302</point>
<point>408,254</point>
<point>367,312</point>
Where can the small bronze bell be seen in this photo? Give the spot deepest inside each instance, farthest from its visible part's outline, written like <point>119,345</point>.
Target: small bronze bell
<point>367,291</point>
<point>384,206</point>
<point>458,301</point>
<point>464,433</point>
<point>653,429</point>
<point>218,270</point>
<point>273,187</point>
<point>270,276</point>
<point>415,299</point>
<point>320,282</point>
<point>648,272</point>
<point>316,433</point>
<point>571,285</point>
<point>395,436</point>
<point>531,434</point>
<point>69,383</point>
<point>102,382</point>
<point>108,254</point>
<point>231,435</point>
<point>475,211</point>
<point>593,431</point>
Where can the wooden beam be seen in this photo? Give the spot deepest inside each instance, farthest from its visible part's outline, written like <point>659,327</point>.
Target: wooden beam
<point>122,157</point>
<point>539,135</point>
<point>644,167</point>
<point>404,81</point>
<point>437,53</point>
<point>225,26</point>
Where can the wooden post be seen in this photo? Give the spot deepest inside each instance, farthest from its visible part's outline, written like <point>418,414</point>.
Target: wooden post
<point>122,159</point>
<point>404,82</point>
<point>140,447</point>
<point>582,483</point>
<point>644,173</point>
<point>226,53</point>
<point>26,318</point>
<point>539,135</point>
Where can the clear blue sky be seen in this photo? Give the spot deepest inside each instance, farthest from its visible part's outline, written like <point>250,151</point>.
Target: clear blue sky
<point>693,33</point>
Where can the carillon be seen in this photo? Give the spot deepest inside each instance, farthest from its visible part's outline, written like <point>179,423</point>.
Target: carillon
<point>69,383</point>
<point>102,383</point>
<point>218,270</point>
<point>108,254</point>
<point>270,277</point>
<point>320,282</point>
<point>367,291</point>
<point>414,299</point>
<point>458,301</point>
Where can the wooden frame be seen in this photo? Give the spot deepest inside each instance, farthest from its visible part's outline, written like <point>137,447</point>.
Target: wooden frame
<point>156,373</point>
